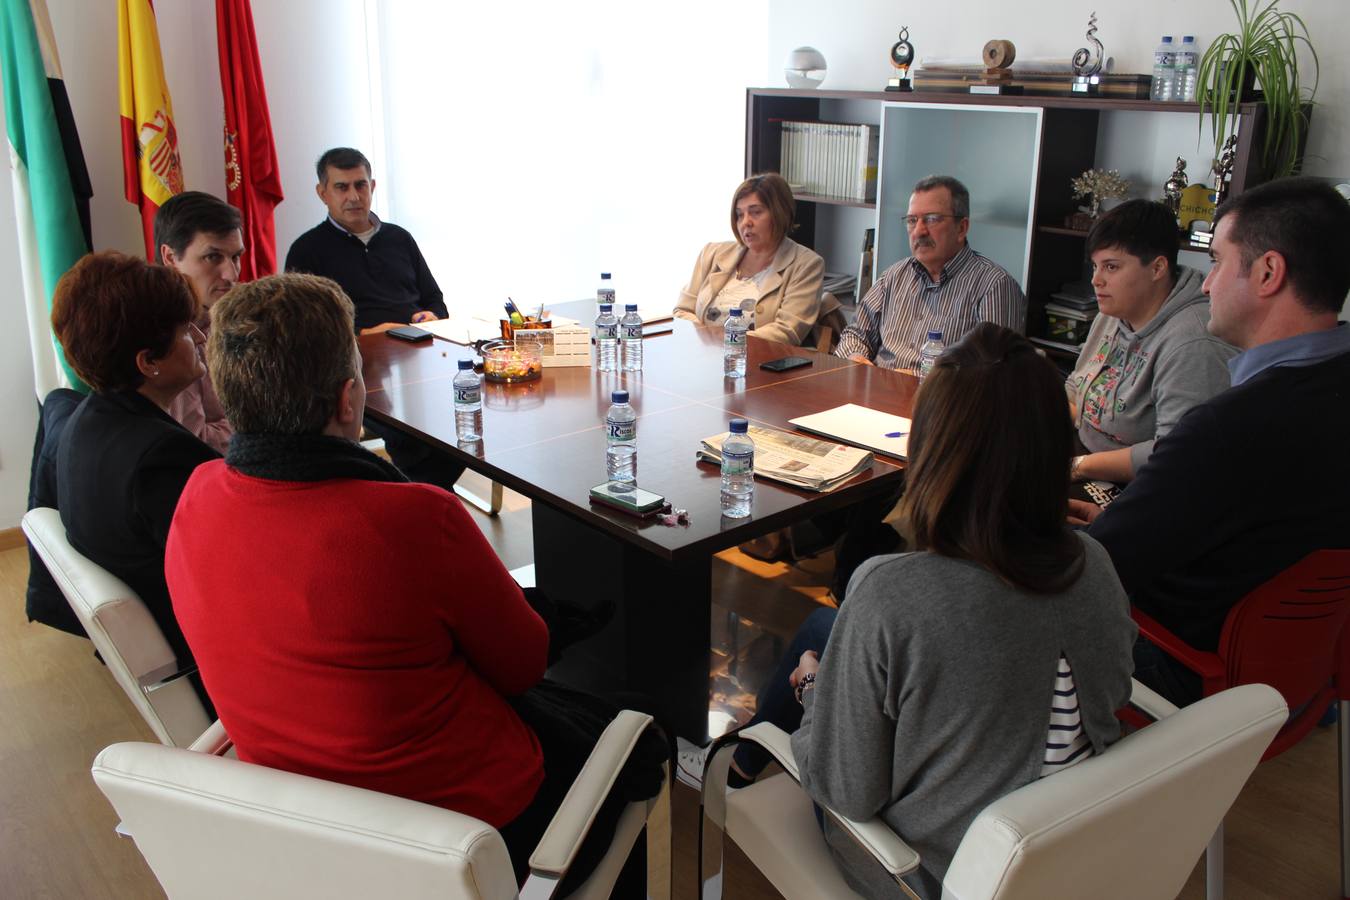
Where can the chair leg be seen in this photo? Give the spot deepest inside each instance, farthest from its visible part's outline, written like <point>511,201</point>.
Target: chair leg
<point>1343,745</point>
<point>1214,866</point>
<point>711,859</point>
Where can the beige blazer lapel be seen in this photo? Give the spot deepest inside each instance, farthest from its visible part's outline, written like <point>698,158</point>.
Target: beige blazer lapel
<point>787,252</point>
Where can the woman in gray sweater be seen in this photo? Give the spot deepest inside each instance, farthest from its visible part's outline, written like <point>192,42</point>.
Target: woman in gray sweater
<point>993,655</point>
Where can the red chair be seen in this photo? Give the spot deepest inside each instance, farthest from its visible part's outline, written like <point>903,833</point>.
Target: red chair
<point>1288,633</point>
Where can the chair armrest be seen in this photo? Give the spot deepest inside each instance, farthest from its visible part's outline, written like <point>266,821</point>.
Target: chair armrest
<point>163,676</point>
<point>213,740</point>
<point>568,828</point>
<point>1206,665</point>
<point>1149,701</point>
<point>873,835</point>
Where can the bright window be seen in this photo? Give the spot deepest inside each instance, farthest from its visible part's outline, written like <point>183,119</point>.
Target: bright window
<point>528,146</point>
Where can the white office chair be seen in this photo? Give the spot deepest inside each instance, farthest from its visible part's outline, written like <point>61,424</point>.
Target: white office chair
<point>124,633</point>
<point>212,827</point>
<point>1129,823</point>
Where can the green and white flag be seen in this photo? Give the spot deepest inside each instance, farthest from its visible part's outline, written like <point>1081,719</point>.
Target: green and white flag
<point>51,183</point>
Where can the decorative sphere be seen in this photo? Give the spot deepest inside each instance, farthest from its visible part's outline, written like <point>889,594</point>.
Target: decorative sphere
<point>805,68</point>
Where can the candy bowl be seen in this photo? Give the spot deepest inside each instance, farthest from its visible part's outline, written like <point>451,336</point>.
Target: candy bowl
<point>509,363</point>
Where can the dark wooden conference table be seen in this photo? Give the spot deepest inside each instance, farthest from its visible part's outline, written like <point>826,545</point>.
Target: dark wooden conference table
<point>546,440</point>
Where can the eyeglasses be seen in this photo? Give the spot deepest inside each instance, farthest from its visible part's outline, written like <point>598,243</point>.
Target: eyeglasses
<point>929,219</point>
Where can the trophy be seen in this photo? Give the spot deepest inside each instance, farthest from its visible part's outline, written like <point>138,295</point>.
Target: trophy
<point>1223,168</point>
<point>997,78</point>
<point>1175,184</point>
<point>902,57</point>
<point>1087,64</point>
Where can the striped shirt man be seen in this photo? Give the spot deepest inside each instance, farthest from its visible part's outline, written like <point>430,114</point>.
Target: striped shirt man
<point>905,304</point>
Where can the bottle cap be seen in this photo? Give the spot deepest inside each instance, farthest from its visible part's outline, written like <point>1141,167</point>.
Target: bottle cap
<point>935,335</point>
<point>739,426</point>
<point>607,307</point>
<point>1188,39</point>
<point>604,276</point>
<point>630,307</point>
<point>1167,39</point>
<point>619,397</point>
<point>735,312</point>
<point>465,365</point>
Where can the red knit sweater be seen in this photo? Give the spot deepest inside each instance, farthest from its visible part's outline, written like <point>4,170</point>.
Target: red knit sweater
<point>360,632</point>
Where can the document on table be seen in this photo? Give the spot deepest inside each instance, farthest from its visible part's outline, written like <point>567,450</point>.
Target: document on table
<point>462,330</point>
<point>861,427</point>
<point>795,459</point>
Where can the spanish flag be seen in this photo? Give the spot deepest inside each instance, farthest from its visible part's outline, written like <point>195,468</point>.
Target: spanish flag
<point>152,170</point>
<point>51,183</point>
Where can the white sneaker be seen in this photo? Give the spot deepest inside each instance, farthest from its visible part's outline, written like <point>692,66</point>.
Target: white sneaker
<point>690,759</point>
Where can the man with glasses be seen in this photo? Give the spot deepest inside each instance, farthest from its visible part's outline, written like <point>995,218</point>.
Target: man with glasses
<point>944,286</point>
<point>200,236</point>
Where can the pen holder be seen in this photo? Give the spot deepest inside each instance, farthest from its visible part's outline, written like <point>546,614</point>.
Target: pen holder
<point>531,323</point>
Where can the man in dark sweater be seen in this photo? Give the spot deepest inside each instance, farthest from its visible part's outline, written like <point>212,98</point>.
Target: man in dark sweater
<point>381,269</point>
<point>377,263</point>
<point>1247,484</point>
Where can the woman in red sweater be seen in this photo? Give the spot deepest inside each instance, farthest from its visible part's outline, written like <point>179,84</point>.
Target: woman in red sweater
<point>349,624</point>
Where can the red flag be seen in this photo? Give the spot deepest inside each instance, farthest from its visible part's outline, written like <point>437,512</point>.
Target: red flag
<point>252,181</point>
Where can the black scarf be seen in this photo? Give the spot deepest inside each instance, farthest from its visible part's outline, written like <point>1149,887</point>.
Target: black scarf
<point>306,457</point>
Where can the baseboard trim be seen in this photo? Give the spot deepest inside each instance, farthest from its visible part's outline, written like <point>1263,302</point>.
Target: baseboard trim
<point>11,538</point>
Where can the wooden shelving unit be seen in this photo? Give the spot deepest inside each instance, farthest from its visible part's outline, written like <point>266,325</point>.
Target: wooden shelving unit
<point>1068,146</point>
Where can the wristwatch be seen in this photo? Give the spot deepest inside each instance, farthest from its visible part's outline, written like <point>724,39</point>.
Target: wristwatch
<point>1073,467</point>
<point>807,682</point>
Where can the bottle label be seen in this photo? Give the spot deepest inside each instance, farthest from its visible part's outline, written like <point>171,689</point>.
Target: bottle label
<point>632,332</point>
<point>622,431</point>
<point>607,332</point>
<point>737,463</point>
<point>735,338</point>
<point>604,295</point>
<point>467,394</point>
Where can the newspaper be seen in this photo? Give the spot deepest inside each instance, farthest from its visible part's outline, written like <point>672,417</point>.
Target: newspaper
<point>795,459</point>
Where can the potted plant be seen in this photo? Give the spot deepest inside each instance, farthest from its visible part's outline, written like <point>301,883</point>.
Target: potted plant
<point>1263,52</point>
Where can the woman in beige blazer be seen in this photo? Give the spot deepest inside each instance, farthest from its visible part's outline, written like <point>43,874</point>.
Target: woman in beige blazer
<point>775,280</point>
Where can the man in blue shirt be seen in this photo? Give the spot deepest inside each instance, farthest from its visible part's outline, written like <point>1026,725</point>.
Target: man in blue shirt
<point>1252,481</point>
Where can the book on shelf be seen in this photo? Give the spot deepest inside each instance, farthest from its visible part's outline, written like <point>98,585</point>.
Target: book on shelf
<point>831,159</point>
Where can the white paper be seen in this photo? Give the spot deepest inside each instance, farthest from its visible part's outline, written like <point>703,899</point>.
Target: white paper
<point>861,427</point>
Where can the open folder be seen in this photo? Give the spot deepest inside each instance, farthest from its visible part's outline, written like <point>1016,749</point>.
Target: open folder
<point>862,427</point>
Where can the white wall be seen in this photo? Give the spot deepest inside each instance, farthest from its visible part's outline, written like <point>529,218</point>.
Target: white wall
<point>856,36</point>
<point>313,56</point>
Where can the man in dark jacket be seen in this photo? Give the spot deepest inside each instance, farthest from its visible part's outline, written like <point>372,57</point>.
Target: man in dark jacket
<point>1248,483</point>
<point>380,267</point>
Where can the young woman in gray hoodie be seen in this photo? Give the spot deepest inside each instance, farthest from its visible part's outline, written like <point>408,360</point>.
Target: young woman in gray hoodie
<point>1148,357</point>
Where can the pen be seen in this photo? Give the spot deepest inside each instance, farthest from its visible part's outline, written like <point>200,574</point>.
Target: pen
<point>895,434</point>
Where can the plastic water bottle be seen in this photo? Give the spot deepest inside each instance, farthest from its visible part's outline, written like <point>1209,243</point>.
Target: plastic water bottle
<point>1187,63</point>
<point>607,339</point>
<point>733,344</point>
<point>1164,71</point>
<point>621,440</point>
<point>605,292</point>
<point>929,352</point>
<point>738,471</point>
<point>630,339</point>
<point>468,386</point>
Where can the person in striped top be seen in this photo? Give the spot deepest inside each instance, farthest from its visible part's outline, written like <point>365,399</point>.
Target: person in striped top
<point>944,286</point>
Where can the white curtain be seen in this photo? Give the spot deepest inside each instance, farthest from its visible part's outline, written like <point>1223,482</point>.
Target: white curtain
<point>530,145</point>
